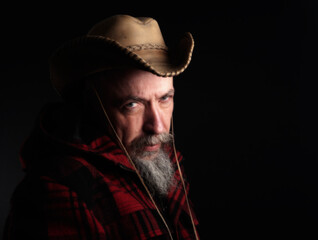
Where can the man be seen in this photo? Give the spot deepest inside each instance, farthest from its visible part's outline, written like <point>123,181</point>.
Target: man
<point>102,164</point>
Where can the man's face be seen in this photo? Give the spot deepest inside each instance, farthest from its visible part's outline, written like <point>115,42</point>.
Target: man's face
<point>139,104</point>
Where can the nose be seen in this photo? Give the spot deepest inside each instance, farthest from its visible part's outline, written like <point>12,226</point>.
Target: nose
<point>153,121</point>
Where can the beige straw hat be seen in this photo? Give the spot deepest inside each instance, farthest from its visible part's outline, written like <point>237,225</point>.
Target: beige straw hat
<point>118,41</point>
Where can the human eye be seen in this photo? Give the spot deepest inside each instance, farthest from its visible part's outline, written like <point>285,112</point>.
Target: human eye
<point>130,105</point>
<point>166,98</point>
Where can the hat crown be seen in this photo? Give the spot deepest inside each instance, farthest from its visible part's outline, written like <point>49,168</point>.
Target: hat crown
<point>129,31</point>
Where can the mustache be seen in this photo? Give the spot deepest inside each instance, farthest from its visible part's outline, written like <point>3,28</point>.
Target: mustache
<point>148,140</point>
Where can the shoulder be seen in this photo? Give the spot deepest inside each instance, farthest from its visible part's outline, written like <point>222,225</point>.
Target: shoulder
<point>34,190</point>
<point>43,208</point>
<point>54,180</point>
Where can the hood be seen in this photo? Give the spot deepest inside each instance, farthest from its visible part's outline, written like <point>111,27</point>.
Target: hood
<point>57,135</point>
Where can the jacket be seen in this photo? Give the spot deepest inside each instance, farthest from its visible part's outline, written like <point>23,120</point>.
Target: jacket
<point>75,190</point>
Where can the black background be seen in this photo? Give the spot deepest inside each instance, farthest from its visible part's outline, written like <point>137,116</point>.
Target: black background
<point>245,111</point>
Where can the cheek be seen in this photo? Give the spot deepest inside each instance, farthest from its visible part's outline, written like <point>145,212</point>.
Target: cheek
<point>128,128</point>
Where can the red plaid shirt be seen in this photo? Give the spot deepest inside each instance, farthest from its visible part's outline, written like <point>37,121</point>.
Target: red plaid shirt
<point>89,191</point>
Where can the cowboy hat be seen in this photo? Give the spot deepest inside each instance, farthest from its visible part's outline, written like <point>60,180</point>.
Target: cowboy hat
<point>118,41</point>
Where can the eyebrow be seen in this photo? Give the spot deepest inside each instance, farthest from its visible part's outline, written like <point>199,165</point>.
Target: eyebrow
<point>140,99</point>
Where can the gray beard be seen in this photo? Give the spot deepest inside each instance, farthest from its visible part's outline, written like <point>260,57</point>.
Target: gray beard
<point>158,172</point>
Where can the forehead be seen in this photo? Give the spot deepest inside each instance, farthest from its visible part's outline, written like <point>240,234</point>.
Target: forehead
<point>134,82</point>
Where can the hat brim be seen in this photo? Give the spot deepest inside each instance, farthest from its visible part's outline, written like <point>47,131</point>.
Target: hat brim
<point>87,55</point>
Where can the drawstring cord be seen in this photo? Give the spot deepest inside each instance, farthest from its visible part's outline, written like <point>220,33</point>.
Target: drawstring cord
<point>140,177</point>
